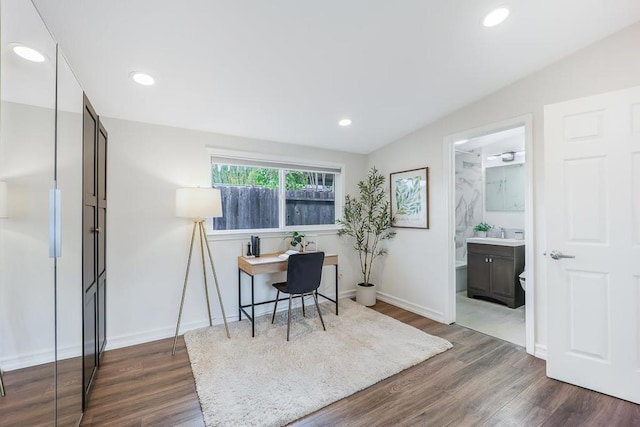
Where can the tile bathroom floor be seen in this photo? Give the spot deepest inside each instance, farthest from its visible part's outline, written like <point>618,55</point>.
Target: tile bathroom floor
<point>490,318</point>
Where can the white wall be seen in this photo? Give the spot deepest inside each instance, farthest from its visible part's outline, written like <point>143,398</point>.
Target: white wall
<point>416,269</point>
<point>148,246</point>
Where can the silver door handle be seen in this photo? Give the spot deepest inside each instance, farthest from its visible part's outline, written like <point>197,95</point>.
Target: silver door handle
<point>557,255</point>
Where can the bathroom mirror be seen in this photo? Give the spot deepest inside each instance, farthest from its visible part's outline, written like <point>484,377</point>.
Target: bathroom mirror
<point>504,188</point>
<point>27,286</point>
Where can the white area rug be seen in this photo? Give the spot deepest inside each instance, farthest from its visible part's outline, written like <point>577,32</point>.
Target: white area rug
<point>267,381</point>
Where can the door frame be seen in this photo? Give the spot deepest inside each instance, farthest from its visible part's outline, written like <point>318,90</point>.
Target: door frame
<point>448,150</point>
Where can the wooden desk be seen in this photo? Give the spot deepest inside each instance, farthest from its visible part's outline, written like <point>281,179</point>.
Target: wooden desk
<point>270,263</point>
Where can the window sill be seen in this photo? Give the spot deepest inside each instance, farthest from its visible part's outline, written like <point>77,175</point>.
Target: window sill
<point>215,236</point>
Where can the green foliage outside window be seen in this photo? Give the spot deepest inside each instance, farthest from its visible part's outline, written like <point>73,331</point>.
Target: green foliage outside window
<point>244,175</point>
<point>268,178</point>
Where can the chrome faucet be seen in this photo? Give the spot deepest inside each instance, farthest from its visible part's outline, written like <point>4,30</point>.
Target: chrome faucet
<point>503,233</point>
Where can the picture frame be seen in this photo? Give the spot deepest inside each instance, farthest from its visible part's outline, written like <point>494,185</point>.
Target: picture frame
<point>409,193</point>
<point>310,243</point>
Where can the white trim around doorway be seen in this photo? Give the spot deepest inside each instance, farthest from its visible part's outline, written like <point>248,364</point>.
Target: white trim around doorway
<point>449,178</point>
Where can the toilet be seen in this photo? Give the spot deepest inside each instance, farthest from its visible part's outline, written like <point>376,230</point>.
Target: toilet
<point>523,279</point>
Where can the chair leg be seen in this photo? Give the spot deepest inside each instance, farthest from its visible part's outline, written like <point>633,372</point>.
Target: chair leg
<point>315,299</point>
<point>275,307</point>
<point>303,313</point>
<point>289,317</point>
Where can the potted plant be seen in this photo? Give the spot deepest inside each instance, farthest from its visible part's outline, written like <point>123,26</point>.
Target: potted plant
<point>296,239</point>
<point>368,220</point>
<point>482,229</point>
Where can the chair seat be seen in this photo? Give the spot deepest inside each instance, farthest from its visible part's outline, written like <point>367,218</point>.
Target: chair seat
<point>282,287</point>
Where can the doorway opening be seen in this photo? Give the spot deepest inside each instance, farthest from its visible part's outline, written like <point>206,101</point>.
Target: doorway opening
<point>491,232</point>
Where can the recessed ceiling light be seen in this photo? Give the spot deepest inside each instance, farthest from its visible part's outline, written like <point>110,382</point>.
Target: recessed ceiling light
<point>344,122</point>
<point>496,17</point>
<point>28,53</point>
<point>142,78</point>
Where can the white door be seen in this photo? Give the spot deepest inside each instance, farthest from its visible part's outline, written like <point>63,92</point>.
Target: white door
<point>592,171</point>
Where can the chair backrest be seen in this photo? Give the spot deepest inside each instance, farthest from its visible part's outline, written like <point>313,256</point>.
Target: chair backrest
<point>304,272</point>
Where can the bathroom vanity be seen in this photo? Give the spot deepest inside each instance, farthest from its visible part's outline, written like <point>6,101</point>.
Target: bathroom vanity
<point>493,266</point>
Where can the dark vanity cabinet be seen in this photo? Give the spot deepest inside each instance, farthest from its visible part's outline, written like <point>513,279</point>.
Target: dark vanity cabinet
<point>492,273</point>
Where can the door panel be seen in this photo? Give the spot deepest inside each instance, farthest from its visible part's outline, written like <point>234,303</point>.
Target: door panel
<point>101,314</point>
<point>89,247</point>
<point>89,348</point>
<point>589,312</point>
<point>90,126</point>
<point>592,152</point>
<point>101,176</point>
<point>586,190</point>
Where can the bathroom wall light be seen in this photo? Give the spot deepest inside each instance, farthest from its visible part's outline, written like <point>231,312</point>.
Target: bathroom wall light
<point>28,53</point>
<point>344,122</point>
<point>508,156</point>
<point>496,17</point>
<point>142,78</point>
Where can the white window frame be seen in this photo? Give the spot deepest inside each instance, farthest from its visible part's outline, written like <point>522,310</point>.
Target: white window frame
<point>282,163</point>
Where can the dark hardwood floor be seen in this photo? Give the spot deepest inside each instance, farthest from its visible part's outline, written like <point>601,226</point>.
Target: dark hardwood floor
<point>29,399</point>
<point>482,381</point>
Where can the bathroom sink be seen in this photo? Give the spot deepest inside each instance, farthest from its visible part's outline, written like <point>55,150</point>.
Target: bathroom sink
<point>495,241</point>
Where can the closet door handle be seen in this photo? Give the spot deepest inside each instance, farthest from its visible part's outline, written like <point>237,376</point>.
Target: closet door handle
<point>55,223</point>
<point>96,230</point>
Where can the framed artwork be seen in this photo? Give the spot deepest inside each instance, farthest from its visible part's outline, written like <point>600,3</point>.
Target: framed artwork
<point>310,242</point>
<point>410,198</point>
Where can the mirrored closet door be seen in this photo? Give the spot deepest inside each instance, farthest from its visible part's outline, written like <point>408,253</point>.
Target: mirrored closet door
<point>40,228</point>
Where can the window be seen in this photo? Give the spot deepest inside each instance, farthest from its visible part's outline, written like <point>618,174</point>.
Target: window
<point>262,195</point>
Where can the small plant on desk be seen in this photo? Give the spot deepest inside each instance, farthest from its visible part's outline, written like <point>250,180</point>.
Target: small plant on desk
<point>296,241</point>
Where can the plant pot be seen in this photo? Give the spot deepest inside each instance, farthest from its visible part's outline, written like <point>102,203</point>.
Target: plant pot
<point>481,233</point>
<point>366,295</point>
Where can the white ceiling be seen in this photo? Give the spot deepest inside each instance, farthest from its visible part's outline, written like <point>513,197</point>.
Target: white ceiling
<point>288,70</point>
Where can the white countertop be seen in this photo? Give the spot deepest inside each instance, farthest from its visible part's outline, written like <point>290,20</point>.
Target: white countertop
<point>495,241</point>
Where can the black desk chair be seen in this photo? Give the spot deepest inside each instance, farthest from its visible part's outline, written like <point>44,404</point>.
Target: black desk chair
<point>304,272</point>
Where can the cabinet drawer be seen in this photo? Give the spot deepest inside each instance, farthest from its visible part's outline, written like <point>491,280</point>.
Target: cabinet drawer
<point>479,248</point>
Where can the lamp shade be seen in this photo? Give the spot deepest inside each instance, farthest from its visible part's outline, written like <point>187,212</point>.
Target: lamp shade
<point>198,203</point>
<point>4,210</point>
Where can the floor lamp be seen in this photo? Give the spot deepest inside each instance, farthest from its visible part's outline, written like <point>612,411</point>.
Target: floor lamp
<point>197,204</point>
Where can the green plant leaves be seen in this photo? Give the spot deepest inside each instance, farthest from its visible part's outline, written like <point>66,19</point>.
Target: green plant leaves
<point>408,196</point>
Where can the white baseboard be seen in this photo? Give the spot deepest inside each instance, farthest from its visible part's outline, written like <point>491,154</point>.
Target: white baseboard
<point>540,351</point>
<point>157,334</point>
<point>39,358</point>
<point>438,316</point>
<point>47,356</point>
<point>161,333</point>
<point>27,360</point>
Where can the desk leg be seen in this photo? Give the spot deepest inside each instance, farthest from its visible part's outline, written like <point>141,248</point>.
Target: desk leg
<point>253,314</point>
<point>239,295</point>
<point>336,289</point>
